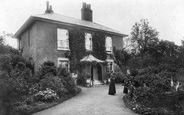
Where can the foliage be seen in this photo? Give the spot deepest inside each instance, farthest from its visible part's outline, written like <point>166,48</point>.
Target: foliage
<point>118,77</point>
<point>62,84</point>
<point>144,36</point>
<point>78,50</point>
<point>70,84</point>
<point>62,72</point>
<point>6,49</point>
<point>121,58</point>
<point>14,86</point>
<point>154,90</point>
<point>9,61</point>
<point>77,47</point>
<point>155,72</point>
<point>67,80</point>
<point>47,95</point>
<point>47,67</point>
<point>99,49</point>
<point>54,83</point>
<point>81,79</point>
<point>18,87</point>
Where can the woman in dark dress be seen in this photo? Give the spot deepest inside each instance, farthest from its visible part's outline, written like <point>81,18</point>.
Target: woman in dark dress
<point>112,88</point>
<point>125,90</point>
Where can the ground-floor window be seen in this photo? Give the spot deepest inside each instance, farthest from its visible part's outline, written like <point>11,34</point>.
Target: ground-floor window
<point>64,63</point>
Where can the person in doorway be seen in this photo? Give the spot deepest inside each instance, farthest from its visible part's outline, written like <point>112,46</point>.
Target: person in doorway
<point>112,88</point>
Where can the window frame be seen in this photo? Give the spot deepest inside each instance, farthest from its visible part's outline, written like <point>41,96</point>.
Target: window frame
<point>107,45</point>
<point>112,62</point>
<point>90,40</point>
<point>66,41</point>
<point>62,59</point>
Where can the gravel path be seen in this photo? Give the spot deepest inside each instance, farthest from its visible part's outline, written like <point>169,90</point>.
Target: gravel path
<point>92,101</point>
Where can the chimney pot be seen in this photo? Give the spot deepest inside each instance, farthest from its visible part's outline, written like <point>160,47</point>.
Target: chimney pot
<point>48,8</point>
<point>83,5</point>
<point>86,12</point>
<point>47,5</point>
<point>51,11</point>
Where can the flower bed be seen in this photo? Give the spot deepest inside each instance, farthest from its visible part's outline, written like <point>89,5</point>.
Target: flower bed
<point>166,106</point>
<point>27,109</point>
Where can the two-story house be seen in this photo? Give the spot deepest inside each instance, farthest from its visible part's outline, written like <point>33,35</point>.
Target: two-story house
<point>48,36</point>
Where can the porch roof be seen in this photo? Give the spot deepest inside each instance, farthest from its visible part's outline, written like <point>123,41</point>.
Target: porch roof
<point>91,58</point>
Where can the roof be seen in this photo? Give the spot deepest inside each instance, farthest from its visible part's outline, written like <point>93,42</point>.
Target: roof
<point>64,19</point>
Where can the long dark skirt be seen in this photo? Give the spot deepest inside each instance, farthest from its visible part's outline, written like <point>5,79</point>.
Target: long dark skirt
<point>112,88</point>
<point>125,90</point>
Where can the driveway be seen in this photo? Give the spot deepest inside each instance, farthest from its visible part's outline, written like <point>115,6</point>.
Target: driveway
<point>92,101</point>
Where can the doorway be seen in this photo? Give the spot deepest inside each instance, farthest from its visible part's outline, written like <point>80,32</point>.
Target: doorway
<point>96,72</point>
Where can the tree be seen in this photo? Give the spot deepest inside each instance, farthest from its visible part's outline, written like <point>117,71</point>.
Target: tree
<point>143,36</point>
<point>4,47</point>
<point>121,58</point>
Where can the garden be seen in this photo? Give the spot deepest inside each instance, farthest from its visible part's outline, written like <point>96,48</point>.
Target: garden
<point>23,91</point>
<point>154,81</point>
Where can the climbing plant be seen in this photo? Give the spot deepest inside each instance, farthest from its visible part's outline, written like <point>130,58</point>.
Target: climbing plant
<point>77,48</point>
<point>99,49</point>
<point>78,51</point>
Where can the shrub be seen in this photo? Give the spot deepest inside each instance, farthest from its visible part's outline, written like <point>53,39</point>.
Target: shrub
<point>67,80</point>
<point>81,79</point>
<point>14,86</point>
<point>47,67</point>
<point>53,82</point>
<point>63,72</point>
<point>119,77</point>
<point>70,84</point>
<point>9,61</point>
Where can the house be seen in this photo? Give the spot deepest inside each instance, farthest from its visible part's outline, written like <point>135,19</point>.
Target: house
<point>66,41</point>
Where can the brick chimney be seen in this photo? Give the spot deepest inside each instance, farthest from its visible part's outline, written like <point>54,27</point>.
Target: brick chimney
<point>48,8</point>
<point>86,12</point>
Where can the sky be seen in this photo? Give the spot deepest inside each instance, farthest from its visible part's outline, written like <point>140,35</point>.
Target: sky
<point>166,16</point>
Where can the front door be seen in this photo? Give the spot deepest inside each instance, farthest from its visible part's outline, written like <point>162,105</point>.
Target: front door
<point>96,72</point>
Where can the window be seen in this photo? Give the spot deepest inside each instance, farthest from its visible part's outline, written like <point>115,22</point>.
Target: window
<point>88,41</point>
<point>64,63</point>
<point>62,39</point>
<point>108,44</point>
<point>110,66</point>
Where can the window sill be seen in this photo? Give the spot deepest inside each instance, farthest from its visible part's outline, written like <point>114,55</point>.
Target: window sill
<point>64,49</point>
<point>88,50</point>
<point>109,52</point>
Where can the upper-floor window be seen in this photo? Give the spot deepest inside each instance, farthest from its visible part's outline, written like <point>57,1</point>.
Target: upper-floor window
<point>62,39</point>
<point>108,44</point>
<point>88,41</point>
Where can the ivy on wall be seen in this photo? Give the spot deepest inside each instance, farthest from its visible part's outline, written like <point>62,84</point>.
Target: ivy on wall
<point>77,48</point>
<point>78,51</point>
<point>99,49</point>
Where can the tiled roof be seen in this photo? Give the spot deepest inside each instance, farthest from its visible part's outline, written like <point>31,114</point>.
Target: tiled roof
<point>64,19</point>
